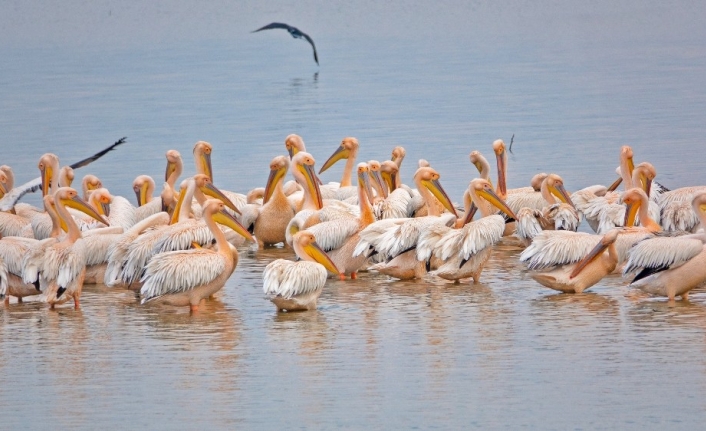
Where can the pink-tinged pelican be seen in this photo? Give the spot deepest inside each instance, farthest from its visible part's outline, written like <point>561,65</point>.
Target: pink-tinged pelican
<point>202,158</point>
<point>395,240</point>
<point>64,268</point>
<point>397,156</point>
<point>676,209</point>
<point>185,277</point>
<point>554,216</point>
<point>294,144</point>
<point>276,212</point>
<point>671,266</point>
<point>347,150</point>
<point>464,250</point>
<point>302,168</point>
<point>571,262</point>
<point>340,237</point>
<point>143,186</point>
<point>398,199</point>
<point>296,286</point>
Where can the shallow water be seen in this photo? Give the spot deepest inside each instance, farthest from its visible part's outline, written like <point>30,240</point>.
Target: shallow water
<point>572,82</point>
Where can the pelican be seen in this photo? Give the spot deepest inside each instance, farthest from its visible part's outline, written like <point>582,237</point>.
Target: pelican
<point>296,286</point>
<point>671,266</point>
<point>302,167</point>
<point>64,266</point>
<point>556,215</point>
<point>566,261</point>
<point>11,224</point>
<point>398,199</point>
<point>397,156</point>
<point>294,144</point>
<point>464,251</point>
<point>340,237</point>
<point>185,277</point>
<point>202,158</point>
<point>347,150</point>
<point>676,210</point>
<point>396,239</point>
<point>276,212</point>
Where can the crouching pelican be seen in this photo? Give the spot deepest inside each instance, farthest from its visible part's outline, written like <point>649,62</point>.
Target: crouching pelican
<point>185,277</point>
<point>670,266</point>
<point>295,286</point>
<point>571,262</point>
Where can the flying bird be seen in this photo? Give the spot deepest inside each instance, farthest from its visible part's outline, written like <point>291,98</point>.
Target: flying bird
<point>295,32</point>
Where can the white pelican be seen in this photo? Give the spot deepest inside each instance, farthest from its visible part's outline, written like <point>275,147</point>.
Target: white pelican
<point>395,240</point>
<point>294,144</point>
<point>671,266</point>
<point>302,168</point>
<point>143,186</point>
<point>465,250</point>
<point>185,277</point>
<point>397,156</point>
<point>347,150</point>
<point>398,199</point>
<point>89,183</point>
<point>11,224</point>
<point>554,216</point>
<point>276,212</point>
<point>676,209</point>
<point>340,237</point>
<point>571,262</point>
<point>296,286</point>
<point>202,158</point>
<point>64,266</point>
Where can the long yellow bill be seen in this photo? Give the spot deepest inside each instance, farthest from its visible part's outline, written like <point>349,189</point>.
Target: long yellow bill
<point>46,180</point>
<point>434,186</point>
<point>631,214</point>
<point>316,253</point>
<point>228,220</point>
<point>210,190</point>
<point>276,175</point>
<point>171,168</point>
<point>177,208</point>
<point>312,184</point>
<point>340,153</point>
<point>590,257</point>
<point>79,204</point>
<point>560,192</point>
<point>497,202</point>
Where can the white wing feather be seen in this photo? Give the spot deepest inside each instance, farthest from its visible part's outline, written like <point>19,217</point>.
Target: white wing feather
<point>180,271</point>
<point>662,251</point>
<point>286,279</point>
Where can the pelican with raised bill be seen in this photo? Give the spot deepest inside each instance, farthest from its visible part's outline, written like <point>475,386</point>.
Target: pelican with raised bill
<point>296,286</point>
<point>671,266</point>
<point>185,277</point>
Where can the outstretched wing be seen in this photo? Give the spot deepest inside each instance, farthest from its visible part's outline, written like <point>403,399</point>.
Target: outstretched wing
<point>273,25</point>
<point>14,195</point>
<point>311,41</point>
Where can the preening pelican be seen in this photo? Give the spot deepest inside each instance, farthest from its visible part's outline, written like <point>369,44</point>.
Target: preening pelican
<point>397,202</point>
<point>276,212</point>
<point>296,286</point>
<point>347,150</point>
<point>294,144</point>
<point>465,250</point>
<point>676,209</point>
<point>186,277</point>
<point>395,240</point>
<point>671,266</point>
<point>571,262</point>
<point>64,266</point>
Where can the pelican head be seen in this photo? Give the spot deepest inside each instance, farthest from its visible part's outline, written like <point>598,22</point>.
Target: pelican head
<point>258,193</point>
<point>48,165</point>
<point>429,178</point>
<point>398,154</point>
<point>66,176</point>
<point>70,198</point>
<point>643,175</point>
<point>388,173</point>
<point>216,209</point>
<point>481,163</point>
<point>303,163</point>
<point>364,179</point>
<point>90,183</point>
<point>3,181</point>
<point>143,186</point>
<point>626,156</point>
<point>278,169</point>
<point>377,181</point>
<point>305,246</point>
<point>50,207</point>
<point>174,164</point>
<point>348,148</point>
<point>483,189</point>
<point>633,199</point>
<point>294,144</point>
<point>555,185</point>
<point>100,200</point>
<point>605,242</point>
<point>537,180</point>
<point>501,157</point>
<point>202,158</point>
<point>204,183</point>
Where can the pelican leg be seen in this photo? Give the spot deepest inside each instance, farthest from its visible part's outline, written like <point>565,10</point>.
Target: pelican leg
<point>7,300</point>
<point>194,308</point>
<point>354,275</point>
<point>685,296</point>
<point>77,303</point>
<point>342,276</point>
<point>671,302</point>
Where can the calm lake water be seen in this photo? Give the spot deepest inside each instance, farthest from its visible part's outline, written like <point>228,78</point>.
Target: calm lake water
<point>572,82</point>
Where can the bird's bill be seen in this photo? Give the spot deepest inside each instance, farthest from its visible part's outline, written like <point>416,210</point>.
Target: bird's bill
<point>79,204</point>
<point>104,209</point>
<point>560,192</point>
<point>364,182</point>
<point>3,189</point>
<point>502,172</point>
<point>228,220</point>
<point>312,184</point>
<point>47,174</point>
<point>434,186</point>
<point>171,168</point>
<point>631,214</point>
<point>377,178</point>
<point>631,165</point>
<point>648,186</point>
<point>389,181</point>
<point>615,184</point>
<point>276,175</point>
<point>292,150</point>
<point>340,153</point>
<point>204,161</point>
<point>470,214</point>
<point>320,256</point>
<point>180,202</point>
<point>142,197</point>
<point>210,190</point>
<point>590,257</point>
<point>497,202</point>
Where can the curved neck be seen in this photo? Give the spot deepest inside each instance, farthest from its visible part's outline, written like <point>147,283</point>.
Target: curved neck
<point>429,199</point>
<point>546,194</point>
<point>645,220</point>
<point>174,176</point>
<point>185,209</point>
<point>55,227</point>
<point>484,206</point>
<point>348,170</point>
<point>73,233</point>
<point>221,242</point>
<point>366,210</point>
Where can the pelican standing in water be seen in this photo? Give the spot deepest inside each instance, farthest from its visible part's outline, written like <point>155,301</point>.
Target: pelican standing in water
<point>276,212</point>
<point>296,286</point>
<point>671,266</point>
<point>185,277</point>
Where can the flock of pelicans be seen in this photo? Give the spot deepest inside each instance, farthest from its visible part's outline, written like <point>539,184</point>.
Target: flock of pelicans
<point>179,248</point>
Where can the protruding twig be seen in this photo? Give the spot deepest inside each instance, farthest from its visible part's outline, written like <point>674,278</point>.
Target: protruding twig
<point>511,141</point>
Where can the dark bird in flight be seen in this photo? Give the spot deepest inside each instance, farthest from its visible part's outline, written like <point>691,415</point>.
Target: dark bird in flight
<point>295,32</point>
